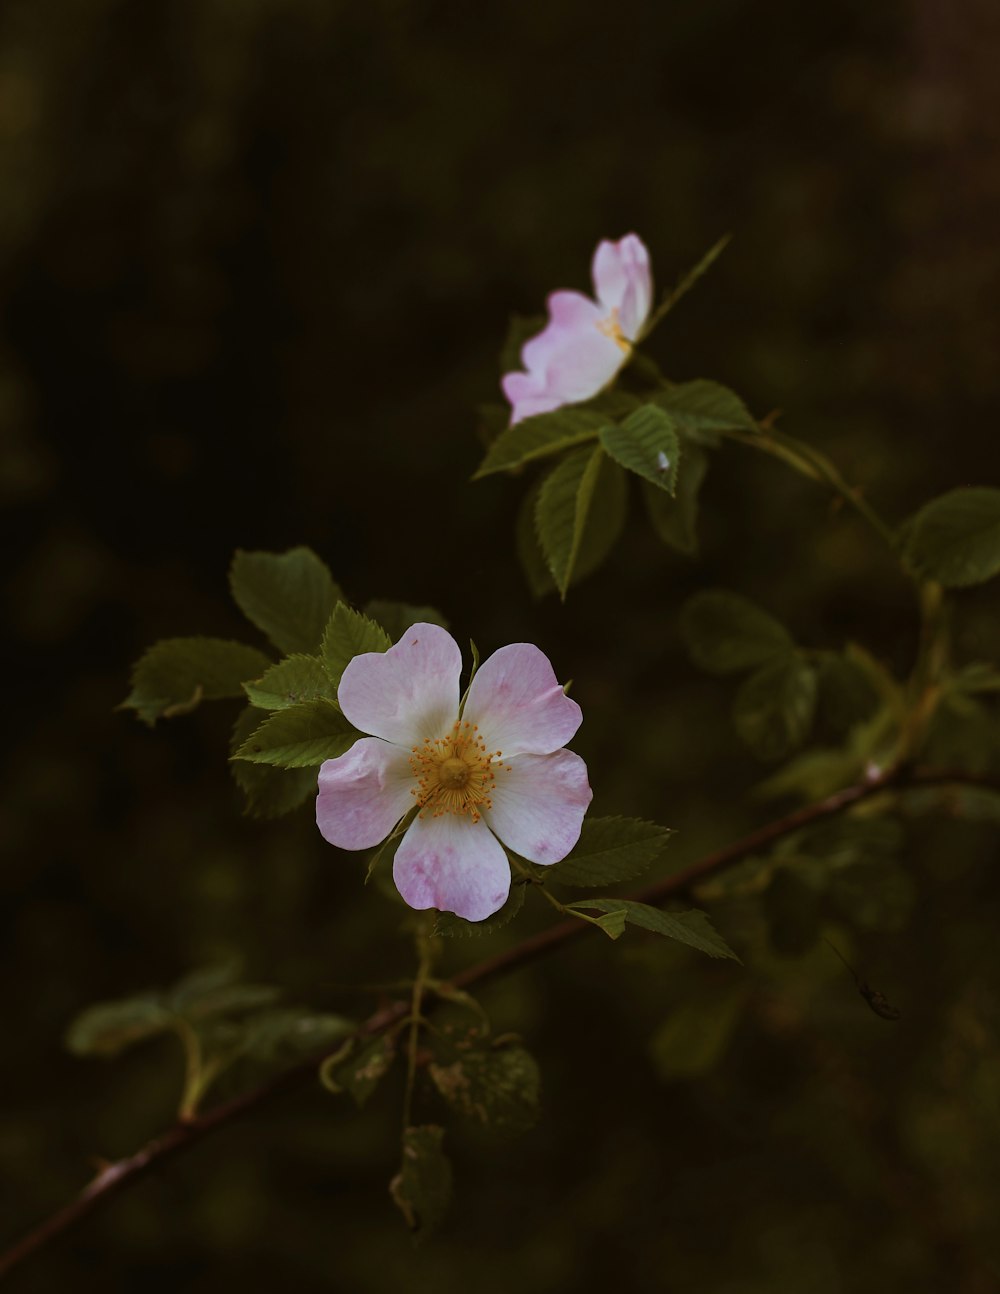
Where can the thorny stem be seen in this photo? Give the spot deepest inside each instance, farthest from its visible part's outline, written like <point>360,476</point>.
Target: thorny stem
<point>124,1173</point>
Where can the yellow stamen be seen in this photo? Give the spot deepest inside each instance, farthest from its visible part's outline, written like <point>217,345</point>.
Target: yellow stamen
<point>455,774</point>
<point>611,327</point>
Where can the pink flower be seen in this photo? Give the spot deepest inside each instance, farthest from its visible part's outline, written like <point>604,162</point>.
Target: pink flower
<point>585,342</point>
<point>495,772</point>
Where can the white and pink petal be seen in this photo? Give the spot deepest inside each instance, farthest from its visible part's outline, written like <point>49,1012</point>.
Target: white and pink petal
<point>623,282</point>
<point>573,356</point>
<point>527,396</point>
<point>408,693</point>
<point>585,365</point>
<point>453,864</point>
<point>518,703</point>
<point>571,315</point>
<point>539,803</point>
<point>571,359</point>
<point>363,794</point>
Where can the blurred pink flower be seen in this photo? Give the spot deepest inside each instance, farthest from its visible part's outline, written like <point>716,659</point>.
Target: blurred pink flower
<point>585,342</point>
<point>496,773</point>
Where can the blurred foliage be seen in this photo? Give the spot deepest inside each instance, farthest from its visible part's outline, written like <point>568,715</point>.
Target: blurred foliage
<point>219,1021</point>
<point>258,262</point>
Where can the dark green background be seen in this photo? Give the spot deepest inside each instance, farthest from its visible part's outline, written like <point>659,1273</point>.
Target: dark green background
<point>258,258</point>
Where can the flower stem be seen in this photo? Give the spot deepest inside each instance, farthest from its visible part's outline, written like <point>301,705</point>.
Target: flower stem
<point>559,907</point>
<point>194,1070</point>
<point>425,960</point>
<point>924,687</point>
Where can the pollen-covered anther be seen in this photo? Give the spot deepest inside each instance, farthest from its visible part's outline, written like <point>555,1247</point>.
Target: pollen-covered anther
<point>455,774</point>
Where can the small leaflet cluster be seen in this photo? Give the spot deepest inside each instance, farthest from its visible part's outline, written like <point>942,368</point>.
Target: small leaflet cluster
<point>291,721</point>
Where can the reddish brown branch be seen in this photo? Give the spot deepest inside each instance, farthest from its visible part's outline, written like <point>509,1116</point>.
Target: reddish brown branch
<point>116,1177</point>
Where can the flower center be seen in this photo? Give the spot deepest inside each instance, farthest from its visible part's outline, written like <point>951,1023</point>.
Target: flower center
<point>611,327</point>
<point>455,774</point>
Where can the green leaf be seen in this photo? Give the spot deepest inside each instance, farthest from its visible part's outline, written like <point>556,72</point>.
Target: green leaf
<point>290,596</point>
<point>497,1088</point>
<point>109,1027</point>
<point>703,409</point>
<point>422,1187</point>
<point>605,521</point>
<point>452,926</point>
<point>975,678</point>
<point>529,550</point>
<point>774,708</point>
<point>726,633</point>
<point>844,841</point>
<point>610,850</point>
<point>692,928</point>
<point>294,679</point>
<point>847,693</point>
<point>203,982</point>
<point>349,634</point>
<point>359,1074</point>
<point>538,437</point>
<point>396,617</point>
<point>675,519</point>
<point>963,733</point>
<point>977,803</point>
<point>646,444</point>
<point>579,514</point>
<point>446,992</point>
<point>299,737</point>
<point>474,653</point>
<point>268,792</point>
<point>613,403</point>
<point>215,990</point>
<point>695,1036</point>
<point>288,1033</point>
<point>612,922</point>
<point>175,674</point>
<point>813,775</point>
<point>955,539</point>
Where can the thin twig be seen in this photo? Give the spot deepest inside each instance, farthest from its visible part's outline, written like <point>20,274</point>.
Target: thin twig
<point>812,462</point>
<point>686,283</point>
<point>117,1176</point>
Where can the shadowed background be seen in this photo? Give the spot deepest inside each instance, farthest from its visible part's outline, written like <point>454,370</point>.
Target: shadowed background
<point>258,258</point>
